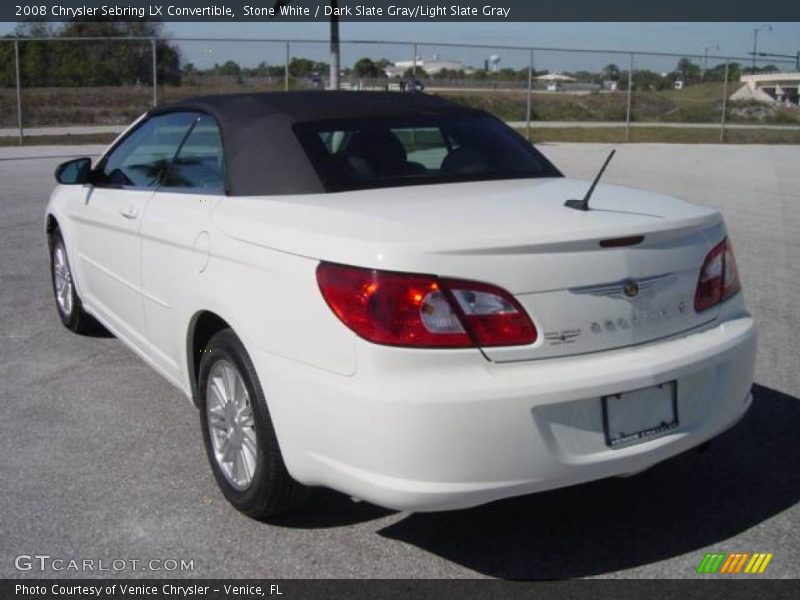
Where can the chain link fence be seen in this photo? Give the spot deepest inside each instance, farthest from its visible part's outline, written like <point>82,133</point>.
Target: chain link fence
<point>86,84</point>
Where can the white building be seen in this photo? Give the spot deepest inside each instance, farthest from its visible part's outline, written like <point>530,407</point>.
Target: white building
<point>431,67</point>
<point>554,82</point>
<point>770,87</point>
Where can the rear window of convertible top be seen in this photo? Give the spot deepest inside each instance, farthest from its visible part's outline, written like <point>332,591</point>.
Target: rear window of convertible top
<point>387,152</point>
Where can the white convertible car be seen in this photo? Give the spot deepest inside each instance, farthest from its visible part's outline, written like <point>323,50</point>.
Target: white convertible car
<point>400,298</point>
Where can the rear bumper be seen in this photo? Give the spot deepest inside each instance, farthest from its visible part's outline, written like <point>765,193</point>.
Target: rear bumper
<point>430,430</point>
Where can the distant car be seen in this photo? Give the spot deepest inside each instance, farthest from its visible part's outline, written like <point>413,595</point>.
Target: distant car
<point>414,85</point>
<point>385,294</point>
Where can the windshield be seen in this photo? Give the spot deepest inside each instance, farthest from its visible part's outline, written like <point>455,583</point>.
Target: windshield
<point>388,152</point>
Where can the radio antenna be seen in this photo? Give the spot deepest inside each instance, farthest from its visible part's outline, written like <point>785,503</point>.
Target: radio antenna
<point>583,204</point>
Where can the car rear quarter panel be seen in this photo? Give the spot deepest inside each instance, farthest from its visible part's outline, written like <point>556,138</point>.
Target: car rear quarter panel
<point>272,301</point>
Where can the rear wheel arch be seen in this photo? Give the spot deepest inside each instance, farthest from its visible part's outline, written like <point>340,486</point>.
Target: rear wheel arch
<point>202,327</point>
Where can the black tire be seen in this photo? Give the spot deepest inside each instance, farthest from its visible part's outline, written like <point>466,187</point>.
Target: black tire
<point>75,318</point>
<point>272,490</point>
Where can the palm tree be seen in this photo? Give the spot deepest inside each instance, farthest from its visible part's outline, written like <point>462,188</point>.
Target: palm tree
<point>611,72</point>
<point>336,56</point>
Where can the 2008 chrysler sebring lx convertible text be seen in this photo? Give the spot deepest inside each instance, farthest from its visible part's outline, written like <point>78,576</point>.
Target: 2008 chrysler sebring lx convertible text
<point>391,295</point>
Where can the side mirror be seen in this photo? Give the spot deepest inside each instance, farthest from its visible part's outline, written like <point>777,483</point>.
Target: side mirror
<point>74,172</point>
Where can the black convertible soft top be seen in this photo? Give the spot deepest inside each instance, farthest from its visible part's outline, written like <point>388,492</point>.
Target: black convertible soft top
<point>262,152</point>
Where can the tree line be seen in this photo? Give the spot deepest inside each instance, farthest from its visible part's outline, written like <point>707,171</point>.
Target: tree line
<point>686,71</point>
<point>89,63</point>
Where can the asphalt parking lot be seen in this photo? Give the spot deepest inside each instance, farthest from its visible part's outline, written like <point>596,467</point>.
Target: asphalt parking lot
<point>102,459</point>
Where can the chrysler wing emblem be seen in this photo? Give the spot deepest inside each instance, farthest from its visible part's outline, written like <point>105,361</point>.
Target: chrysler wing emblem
<point>630,289</point>
<point>627,288</point>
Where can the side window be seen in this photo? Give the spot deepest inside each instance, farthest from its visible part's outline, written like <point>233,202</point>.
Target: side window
<point>199,163</point>
<point>142,156</point>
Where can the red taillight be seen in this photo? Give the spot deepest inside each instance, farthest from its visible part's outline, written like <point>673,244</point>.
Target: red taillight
<point>719,277</point>
<point>401,309</point>
<point>494,316</point>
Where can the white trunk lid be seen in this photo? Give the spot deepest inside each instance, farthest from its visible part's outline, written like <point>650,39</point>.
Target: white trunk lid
<point>519,235</point>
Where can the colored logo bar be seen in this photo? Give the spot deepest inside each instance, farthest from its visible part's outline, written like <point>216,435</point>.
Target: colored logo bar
<point>734,563</point>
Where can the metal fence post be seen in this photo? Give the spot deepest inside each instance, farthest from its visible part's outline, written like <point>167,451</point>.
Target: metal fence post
<point>628,109</point>
<point>19,89</point>
<point>286,70</point>
<point>155,71</point>
<point>414,62</point>
<point>530,93</point>
<point>724,104</point>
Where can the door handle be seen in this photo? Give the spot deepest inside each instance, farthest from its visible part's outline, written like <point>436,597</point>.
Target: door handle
<point>130,213</point>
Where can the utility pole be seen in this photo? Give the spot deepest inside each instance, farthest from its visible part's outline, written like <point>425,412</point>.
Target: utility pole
<point>530,93</point>
<point>724,103</point>
<point>755,42</point>
<point>154,57</point>
<point>705,60</point>
<point>628,106</point>
<point>19,90</point>
<point>334,47</point>
<point>336,55</point>
<point>286,69</point>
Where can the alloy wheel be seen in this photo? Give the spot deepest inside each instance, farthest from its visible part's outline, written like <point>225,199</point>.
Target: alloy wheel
<point>231,424</point>
<point>62,280</point>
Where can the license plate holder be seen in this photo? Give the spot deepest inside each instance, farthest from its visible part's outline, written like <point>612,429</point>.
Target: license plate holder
<point>640,415</point>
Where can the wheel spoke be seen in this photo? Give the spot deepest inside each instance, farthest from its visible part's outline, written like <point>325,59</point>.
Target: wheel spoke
<point>229,377</point>
<point>218,387</point>
<point>227,450</point>
<point>238,467</point>
<point>236,388</point>
<point>249,463</point>
<point>249,441</point>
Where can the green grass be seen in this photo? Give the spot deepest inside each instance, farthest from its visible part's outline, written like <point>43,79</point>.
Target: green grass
<point>667,135</point>
<point>512,106</point>
<point>700,103</point>
<point>701,92</point>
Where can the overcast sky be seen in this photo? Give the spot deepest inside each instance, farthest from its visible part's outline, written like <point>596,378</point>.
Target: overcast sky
<point>733,39</point>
